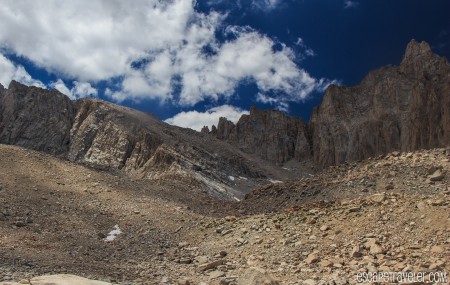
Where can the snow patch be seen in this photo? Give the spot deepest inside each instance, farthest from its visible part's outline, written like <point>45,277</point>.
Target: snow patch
<point>113,234</point>
<point>243,178</point>
<point>231,178</point>
<point>275,181</point>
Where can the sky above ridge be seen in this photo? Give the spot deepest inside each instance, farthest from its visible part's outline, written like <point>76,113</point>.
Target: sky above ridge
<point>190,62</point>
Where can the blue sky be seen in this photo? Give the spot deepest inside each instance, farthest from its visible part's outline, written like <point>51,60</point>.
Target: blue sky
<point>190,62</point>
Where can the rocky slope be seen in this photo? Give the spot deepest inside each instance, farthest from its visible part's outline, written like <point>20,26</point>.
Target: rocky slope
<point>401,108</point>
<point>55,216</point>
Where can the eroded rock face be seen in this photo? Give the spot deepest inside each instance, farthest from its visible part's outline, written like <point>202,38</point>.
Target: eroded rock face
<point>400,108</point>
<point>270,134</point>
<point>35,118</point>
<point>103,135</point>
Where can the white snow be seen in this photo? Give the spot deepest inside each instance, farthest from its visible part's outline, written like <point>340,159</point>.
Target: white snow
<point>243,178</point>
<point>231,178</point>
<point>113,234</point>
<point>275,181</point>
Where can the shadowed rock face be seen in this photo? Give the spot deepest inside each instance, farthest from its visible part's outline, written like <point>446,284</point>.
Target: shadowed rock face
<point>35,118</point>
<point>401,108</point>
<point>271,134</point>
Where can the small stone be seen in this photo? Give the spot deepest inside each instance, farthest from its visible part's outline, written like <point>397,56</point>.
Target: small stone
<point>185,261</point>
<point>211,265</point>
<point>389,187</point>
<point>354,209</point>
<point>309,282</point>
<point>326,263</point>
<point>356,251</point>
<point>377,249</point>
<point>201,259</point>
<point>20,224</point>
<point>378,198</point>
<point>312,258</point>
<point>437,249</point>
<point>437,176</point>
<point>324,228</point>
<point>230,218</point>
<point>438,202</point>
<point>216,274</point>
<point>184,282</point>
<point>256,276</point>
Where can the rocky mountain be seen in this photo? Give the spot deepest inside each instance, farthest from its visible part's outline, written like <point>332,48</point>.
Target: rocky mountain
<point>400,108</point>
<point>104,135</point>
<point>272,135</point>
<point>36,119</point>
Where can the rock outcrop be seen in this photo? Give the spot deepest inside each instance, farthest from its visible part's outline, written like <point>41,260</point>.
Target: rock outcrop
<point>36,118</point>
<point>271,134</point>
<point>400,108</point>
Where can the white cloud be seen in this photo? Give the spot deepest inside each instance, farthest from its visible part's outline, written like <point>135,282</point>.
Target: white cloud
<point>196,120</point>
<point>91,40</point>
<point>305,49</point>
<point>278,103</point>
<point>10,71</point>
<point>350,4</point>
<point>79,89</point>
<point>155,49</point>
<point>266,5</point>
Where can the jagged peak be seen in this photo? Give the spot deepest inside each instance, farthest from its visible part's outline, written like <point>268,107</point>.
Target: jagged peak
<point>16,85</point>
<point>415,49</point>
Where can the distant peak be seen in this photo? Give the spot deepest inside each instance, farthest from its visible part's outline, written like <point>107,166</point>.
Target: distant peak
<point>416,49</point>
<point>16,85</point>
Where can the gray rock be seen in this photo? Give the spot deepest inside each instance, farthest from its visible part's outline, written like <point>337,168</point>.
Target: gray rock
<point>257,276</point>
<point>65,279</point>
<point>394,108</point>
<point>36,118</point>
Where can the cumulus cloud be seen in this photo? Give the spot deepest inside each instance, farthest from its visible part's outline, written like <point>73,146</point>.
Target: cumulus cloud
<point>10,71</point>
<point>79,89</point>
<point>196,120</point>
<point>153,49</point>
<point>350,4</point>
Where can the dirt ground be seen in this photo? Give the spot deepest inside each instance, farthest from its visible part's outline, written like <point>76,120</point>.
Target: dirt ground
<point>55,216</point>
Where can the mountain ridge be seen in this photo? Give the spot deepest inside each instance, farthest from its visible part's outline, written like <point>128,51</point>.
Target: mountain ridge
<point>394,108</point>
<point>400,108</point>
